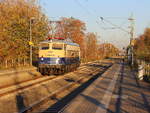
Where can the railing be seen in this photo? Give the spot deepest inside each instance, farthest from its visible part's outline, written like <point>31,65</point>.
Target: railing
<point>14,63</point>
<point>143,70</point>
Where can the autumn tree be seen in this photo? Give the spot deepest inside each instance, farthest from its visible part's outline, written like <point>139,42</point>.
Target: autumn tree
<point>15,16</point>
<point>75,30</point>
<point>142,46</point>
<point>91,46</point>
<point>108,50</point>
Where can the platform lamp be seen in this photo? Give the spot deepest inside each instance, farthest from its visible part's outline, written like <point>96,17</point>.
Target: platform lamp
<point>30,42</point>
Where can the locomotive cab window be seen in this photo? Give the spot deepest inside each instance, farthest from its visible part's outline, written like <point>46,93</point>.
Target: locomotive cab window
<point>57,46</point>
<point>44,46</point>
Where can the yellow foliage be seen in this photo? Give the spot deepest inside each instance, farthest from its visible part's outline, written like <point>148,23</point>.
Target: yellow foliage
<point>15,18</point>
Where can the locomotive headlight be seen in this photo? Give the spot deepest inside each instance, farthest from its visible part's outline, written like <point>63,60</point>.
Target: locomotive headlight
<point>42,58</point>
<point>57,60</point>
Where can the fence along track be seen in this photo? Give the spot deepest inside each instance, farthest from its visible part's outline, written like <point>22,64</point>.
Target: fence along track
<point>14,63</point>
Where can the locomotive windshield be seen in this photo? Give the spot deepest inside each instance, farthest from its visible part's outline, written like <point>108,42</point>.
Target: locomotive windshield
<point>44,46</point>
<point>57,46</point>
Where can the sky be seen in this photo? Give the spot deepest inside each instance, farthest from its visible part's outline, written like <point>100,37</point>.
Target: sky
<point>114,11</point>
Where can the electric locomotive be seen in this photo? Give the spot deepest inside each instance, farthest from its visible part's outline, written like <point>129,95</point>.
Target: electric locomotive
<point>58,56</point>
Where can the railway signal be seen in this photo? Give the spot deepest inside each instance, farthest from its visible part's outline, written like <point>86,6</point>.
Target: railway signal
<point>31,43</point>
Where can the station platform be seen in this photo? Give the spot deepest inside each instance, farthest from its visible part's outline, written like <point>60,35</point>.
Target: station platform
<point>116,91</point>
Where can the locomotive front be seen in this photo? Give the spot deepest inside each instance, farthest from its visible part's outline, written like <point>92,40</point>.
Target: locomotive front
<point>51,56</point>
<point>57,57</point>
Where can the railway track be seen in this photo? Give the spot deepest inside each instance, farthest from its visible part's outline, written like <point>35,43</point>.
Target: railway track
<point>67,82</point>
<point>23,85</point>
<point>31,81</point>
<point>16,77</point>
<point>28,83</point>
<point>11,75</point>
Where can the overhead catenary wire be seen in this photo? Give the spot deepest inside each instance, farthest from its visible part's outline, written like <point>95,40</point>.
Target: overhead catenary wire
<point>84,8</point>
<point>123,18</point>
<point>103,19</point>
<point>93,11</point>
<point>88,12</point>
<point>97,22</point>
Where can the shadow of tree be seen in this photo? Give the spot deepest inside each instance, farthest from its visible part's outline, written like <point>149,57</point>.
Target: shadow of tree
<point>128,84</point>
<point>118,102</point>
<point>146,102</point>
<point>96,102</point>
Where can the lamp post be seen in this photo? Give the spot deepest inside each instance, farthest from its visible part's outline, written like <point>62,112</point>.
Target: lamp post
<point>30,43</point>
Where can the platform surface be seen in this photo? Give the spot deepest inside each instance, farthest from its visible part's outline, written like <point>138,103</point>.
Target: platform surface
<point>115,91</point>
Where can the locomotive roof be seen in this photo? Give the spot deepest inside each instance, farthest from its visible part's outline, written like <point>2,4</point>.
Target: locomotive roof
<point>60,41</point>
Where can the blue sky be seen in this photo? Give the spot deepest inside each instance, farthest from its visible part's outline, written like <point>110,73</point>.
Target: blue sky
<point>89,11</point>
